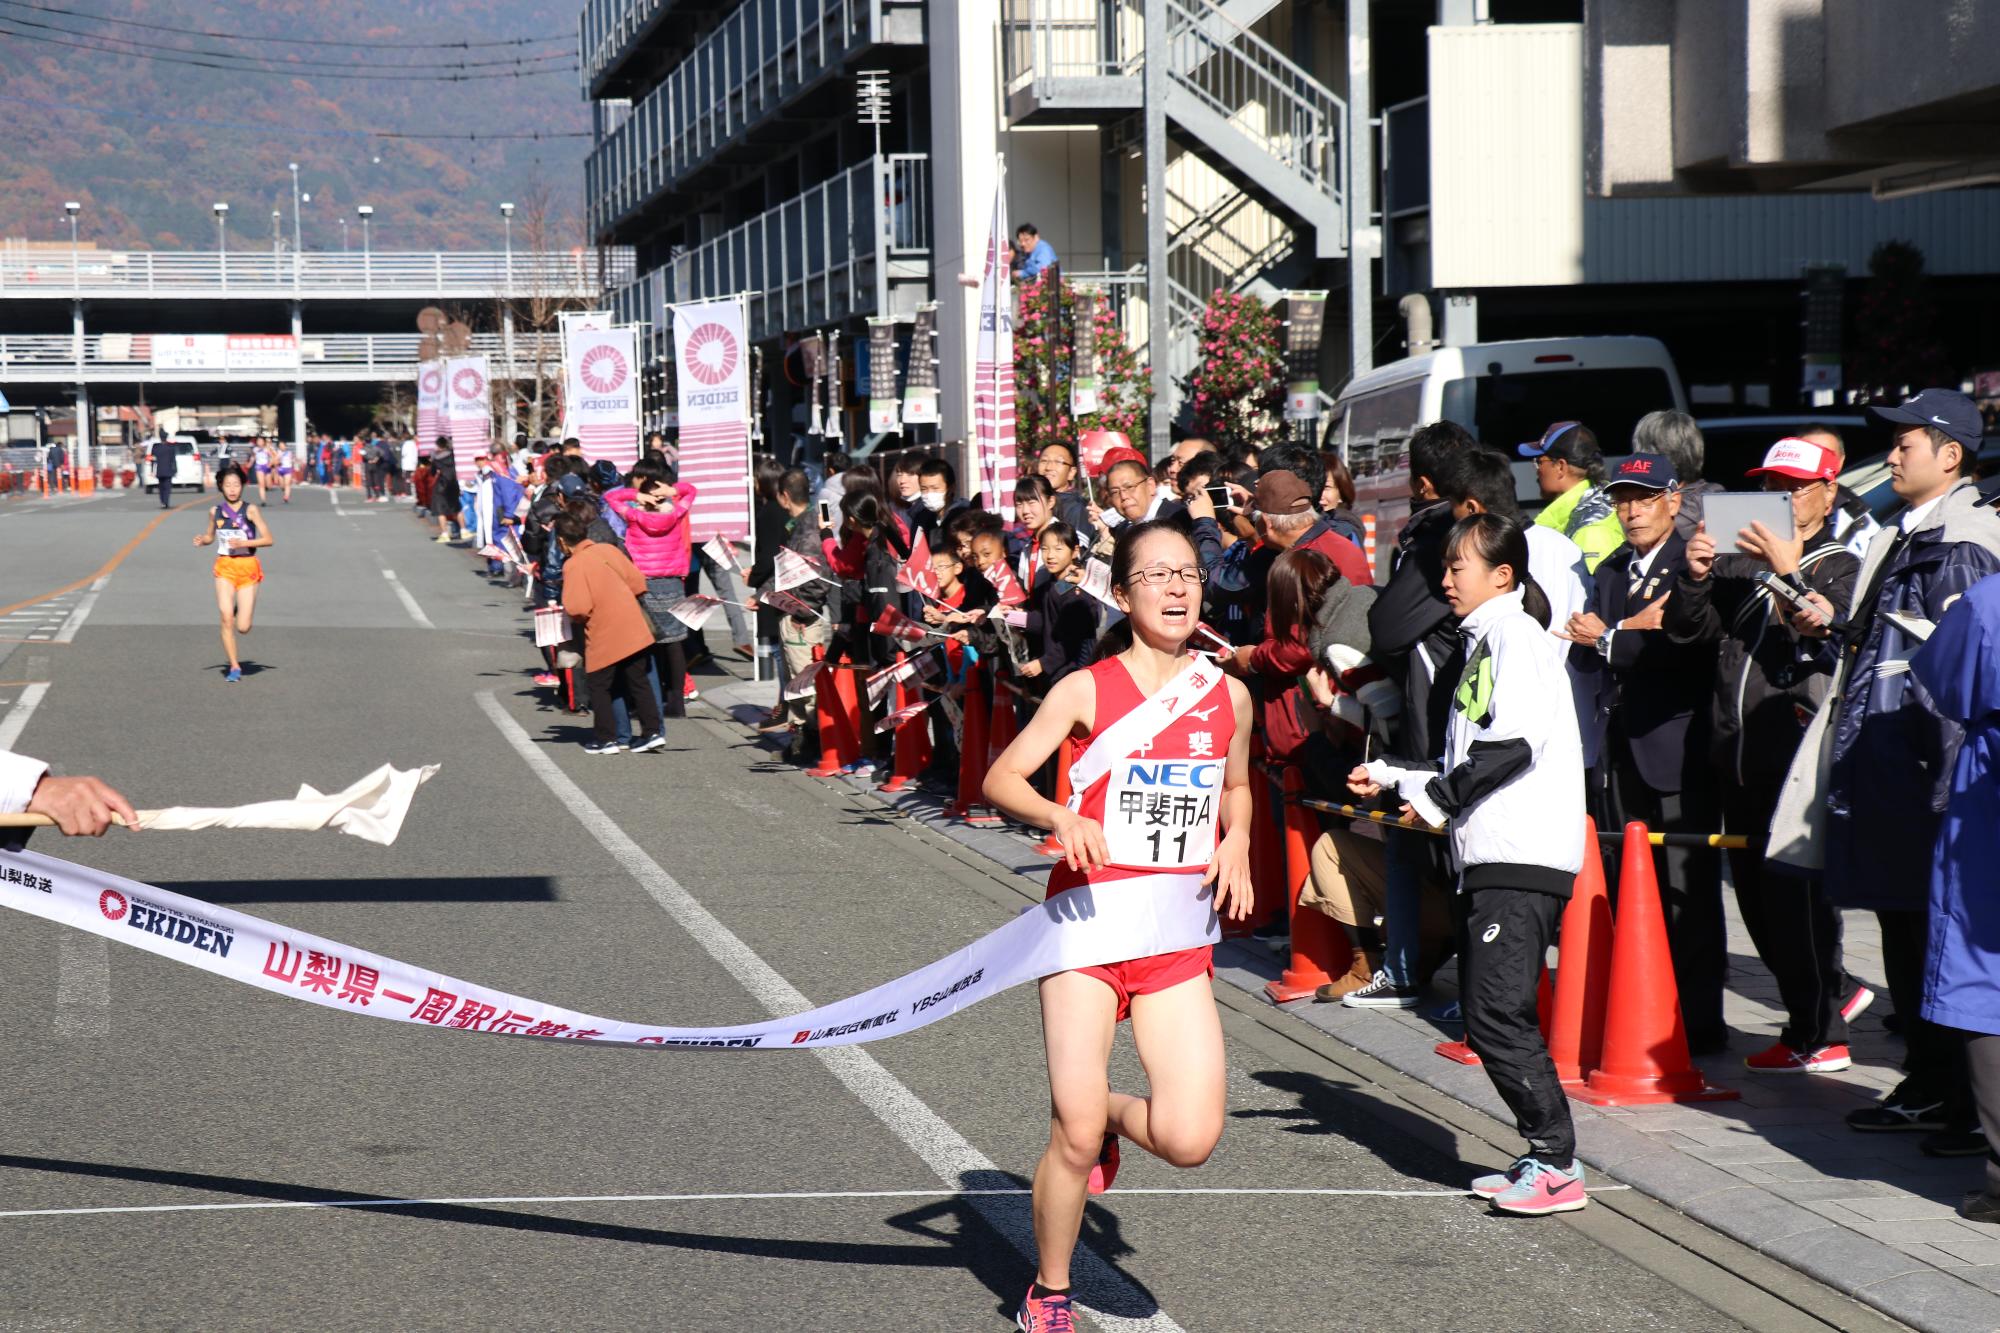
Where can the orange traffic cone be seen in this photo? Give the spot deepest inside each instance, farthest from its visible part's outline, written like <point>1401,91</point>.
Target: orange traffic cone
<point>836,748</point>
<point>911,741</point>
<point>1315,935</point>
<point>972,758</point>
<point>1065,758</point>
<point>1583,969</point>
<point>1645,1057</point>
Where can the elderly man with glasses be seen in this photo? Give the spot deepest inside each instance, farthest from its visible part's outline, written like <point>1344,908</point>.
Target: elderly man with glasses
<point>1655,761</point>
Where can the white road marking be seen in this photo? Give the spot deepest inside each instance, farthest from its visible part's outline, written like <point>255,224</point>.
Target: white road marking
<point>788,1196</point>
<point>83,985</point>
<point>409,602</point>
<point>70,626</point>
<point>23,709</point>
<point>924,1131</point>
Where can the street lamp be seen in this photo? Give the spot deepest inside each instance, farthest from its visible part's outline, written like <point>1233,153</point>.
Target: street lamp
<point>366,212</point>
<point>72,207</point>
<point>294,167</point>
<point>343,235</point>
<point>277,239</point>
<point>507,219</point>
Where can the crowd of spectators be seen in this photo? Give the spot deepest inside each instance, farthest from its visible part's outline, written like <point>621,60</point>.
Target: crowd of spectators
<point>1767,683</point>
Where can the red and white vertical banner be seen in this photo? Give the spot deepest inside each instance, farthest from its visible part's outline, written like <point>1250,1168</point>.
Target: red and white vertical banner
<point>572,323</point>
<point>713,373</point>
<point>430,398</point>
<point>993,368</point>
<point>468,412</point>
<point>601,392</point>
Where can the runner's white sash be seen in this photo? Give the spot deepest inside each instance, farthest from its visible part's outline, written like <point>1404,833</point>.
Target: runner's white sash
<point>1084,927</point>
<point>1188,687</point>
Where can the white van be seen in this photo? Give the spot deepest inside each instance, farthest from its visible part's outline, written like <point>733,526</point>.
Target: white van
<point>1505,393</point>
<point>187,462</point>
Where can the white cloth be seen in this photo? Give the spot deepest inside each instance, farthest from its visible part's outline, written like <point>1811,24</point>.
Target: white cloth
<point>372,809</point>
<point>19,775</point>
<point>1133,918</point>
<point>1558,565</point>
<point>1913,517</point>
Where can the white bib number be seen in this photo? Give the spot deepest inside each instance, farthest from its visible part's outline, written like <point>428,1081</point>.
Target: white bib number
<point>1161,813</point>
<point>226,539</point>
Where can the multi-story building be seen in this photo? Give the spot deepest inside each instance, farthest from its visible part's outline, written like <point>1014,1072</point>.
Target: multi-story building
<point>1543,167</point>
<point>730,155</point>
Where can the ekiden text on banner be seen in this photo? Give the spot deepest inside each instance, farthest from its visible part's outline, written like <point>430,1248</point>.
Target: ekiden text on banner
<point>1085,927</point>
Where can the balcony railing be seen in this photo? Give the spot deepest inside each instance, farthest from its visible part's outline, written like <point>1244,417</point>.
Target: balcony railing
<point>260,273</point>
<point>331,356</point>
<point>761,56</point>
<point>810,261</point>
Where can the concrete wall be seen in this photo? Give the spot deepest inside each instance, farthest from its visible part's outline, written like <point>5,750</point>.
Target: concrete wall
<point>1054,180</point>
<point>1886,58</point>
<point>1628,96</point>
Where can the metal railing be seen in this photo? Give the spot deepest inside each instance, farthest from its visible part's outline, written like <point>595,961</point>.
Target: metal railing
<point>606,29</point>
<point>1291,115</point>
<point>1231,71</point>
<point>810,260</point>
<point>743,71</point>
<point>52,357</point>
<point>1224,245</point>
<point>57,272</point>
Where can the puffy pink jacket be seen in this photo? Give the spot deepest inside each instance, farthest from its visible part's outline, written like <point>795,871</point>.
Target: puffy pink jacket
<point>657,541</point>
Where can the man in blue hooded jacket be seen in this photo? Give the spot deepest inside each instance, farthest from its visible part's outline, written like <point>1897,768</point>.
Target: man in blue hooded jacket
<point>1875,769</point>
<point>1959,667</point>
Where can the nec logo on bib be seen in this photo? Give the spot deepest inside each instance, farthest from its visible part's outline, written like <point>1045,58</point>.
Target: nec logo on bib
<point>1160,813</point>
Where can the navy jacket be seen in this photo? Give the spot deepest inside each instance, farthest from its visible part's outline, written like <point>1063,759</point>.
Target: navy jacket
<point>1890,775</point>
<point>1661,688</point>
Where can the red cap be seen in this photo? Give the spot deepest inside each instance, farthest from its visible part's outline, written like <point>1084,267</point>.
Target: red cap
<point>1802,459</point>
<point>1124,453</point>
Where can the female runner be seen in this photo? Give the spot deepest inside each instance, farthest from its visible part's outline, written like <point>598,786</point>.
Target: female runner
<point>284,466</point>
<point>238,531</point>
<point>1197,725</point>
<point>260,462</point>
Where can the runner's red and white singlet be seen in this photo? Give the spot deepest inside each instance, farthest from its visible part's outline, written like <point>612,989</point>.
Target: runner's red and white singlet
<point>1159,806</point>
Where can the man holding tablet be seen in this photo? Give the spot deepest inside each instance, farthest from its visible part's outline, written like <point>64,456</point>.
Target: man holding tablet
<point>1768,684</point>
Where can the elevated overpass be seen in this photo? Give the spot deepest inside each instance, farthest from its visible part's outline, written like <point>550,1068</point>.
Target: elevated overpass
<point>83,325</point>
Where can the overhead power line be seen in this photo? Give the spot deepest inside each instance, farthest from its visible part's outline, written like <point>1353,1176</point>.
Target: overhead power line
<point>285,63</point>
<point>292,131</point>
<point>401,45</point>
<point>284,71</point>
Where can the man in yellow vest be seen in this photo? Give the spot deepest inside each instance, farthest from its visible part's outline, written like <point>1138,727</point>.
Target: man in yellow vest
<point>1569,467</point>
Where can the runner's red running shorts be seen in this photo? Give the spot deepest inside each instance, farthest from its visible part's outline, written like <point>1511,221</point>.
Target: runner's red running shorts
<point>1135,976</point>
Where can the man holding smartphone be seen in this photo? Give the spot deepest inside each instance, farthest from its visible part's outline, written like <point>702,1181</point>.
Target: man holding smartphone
<point>1769,682</point>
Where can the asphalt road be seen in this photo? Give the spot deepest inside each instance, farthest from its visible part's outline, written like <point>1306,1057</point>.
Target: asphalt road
<point>832,1186</point>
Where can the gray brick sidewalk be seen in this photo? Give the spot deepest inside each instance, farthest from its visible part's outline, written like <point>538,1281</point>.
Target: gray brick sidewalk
<point>1778,1171</point>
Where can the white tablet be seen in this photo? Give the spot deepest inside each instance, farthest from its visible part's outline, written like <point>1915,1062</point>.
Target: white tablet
<point>1726,513</point>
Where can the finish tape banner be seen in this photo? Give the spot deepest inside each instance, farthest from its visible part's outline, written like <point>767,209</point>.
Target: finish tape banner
<point>1084,927</point>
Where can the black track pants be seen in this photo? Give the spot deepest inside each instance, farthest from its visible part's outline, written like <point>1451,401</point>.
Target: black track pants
<point>1503,944</point>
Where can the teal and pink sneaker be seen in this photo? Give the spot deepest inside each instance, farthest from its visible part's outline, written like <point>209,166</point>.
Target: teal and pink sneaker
<point>1106,1169</point>
<point>1541,1188</point>
<point>1053,1313</point>
<point>1488,1187</point>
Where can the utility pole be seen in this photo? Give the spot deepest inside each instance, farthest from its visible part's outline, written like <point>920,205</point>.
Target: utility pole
<point>1364,238</point>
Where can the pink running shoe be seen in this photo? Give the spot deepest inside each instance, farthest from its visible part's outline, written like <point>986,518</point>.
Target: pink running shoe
<point>1053,1313</point>
<point>1493,1186</point>
<point>688,690</point>
<point>1779,1058</point>
<point>1541,1188</point>
<point>545,678</point>
<point>1106,1169</point>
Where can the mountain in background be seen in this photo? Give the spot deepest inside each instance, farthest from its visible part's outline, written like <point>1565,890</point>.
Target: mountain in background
<point>148,180</point>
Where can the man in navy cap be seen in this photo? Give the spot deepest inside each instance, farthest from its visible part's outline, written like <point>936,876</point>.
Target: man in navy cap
<point>1887,754</point>
<point>1655,758</point>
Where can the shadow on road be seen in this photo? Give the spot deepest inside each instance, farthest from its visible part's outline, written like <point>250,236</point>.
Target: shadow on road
<point>1404,1141</point>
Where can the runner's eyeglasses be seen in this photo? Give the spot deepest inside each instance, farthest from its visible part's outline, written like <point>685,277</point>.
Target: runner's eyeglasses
<point>1160,574</point>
